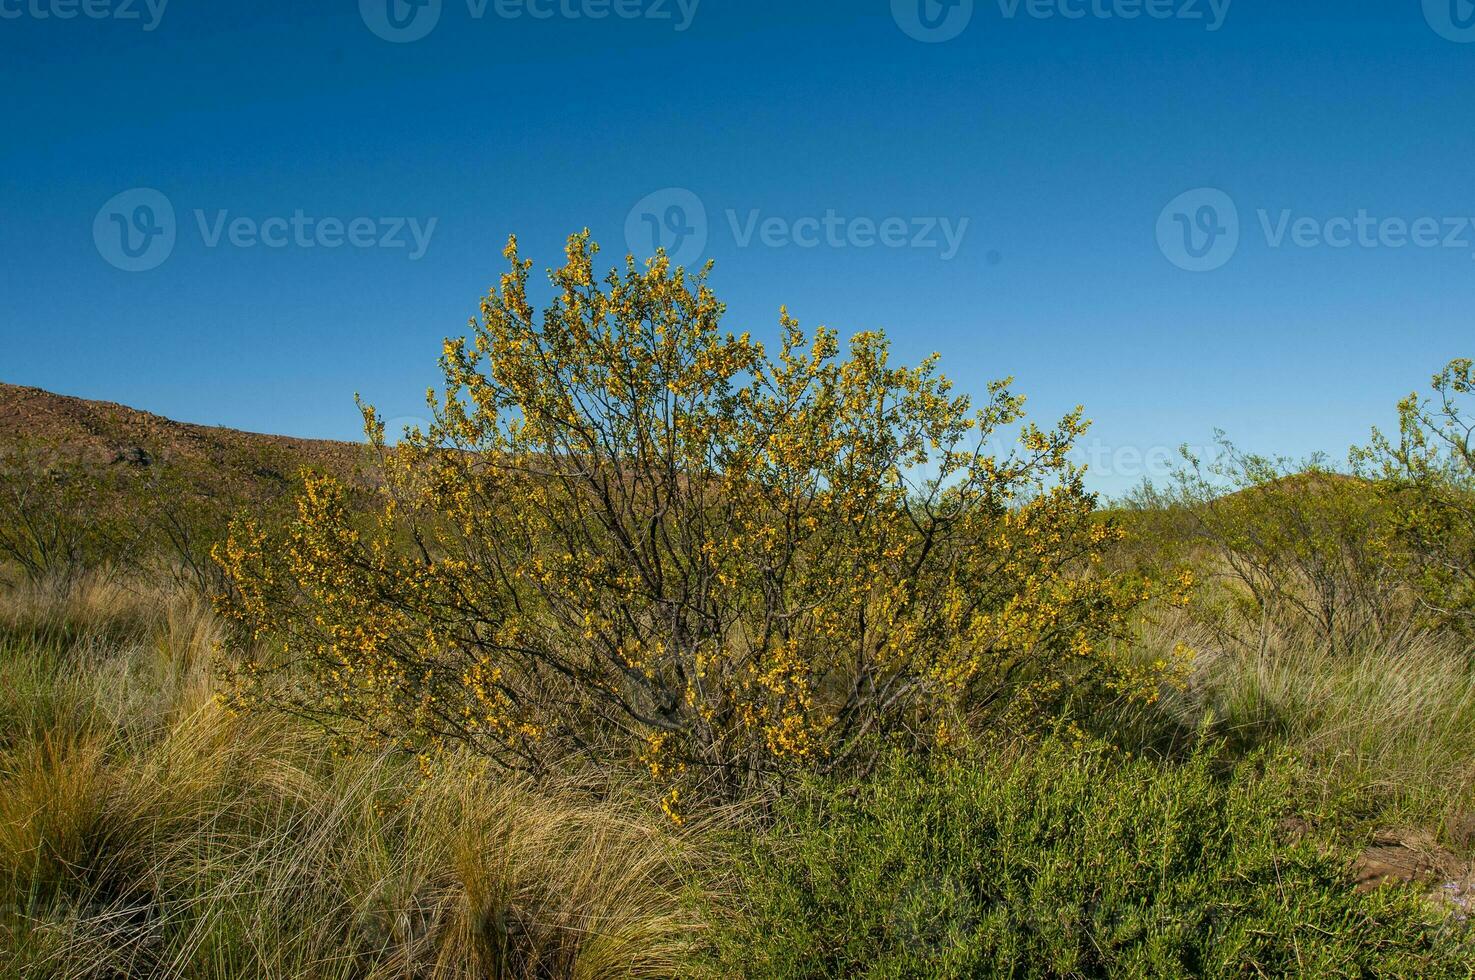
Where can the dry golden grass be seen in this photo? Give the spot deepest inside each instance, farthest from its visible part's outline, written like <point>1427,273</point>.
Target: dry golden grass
<point>146,831</point>
<point>1383,730</point>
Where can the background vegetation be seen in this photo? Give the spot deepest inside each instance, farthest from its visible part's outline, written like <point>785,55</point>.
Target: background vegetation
<point>657,653</point>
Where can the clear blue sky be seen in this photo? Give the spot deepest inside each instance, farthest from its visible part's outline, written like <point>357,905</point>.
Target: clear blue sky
<point>1061,140</point>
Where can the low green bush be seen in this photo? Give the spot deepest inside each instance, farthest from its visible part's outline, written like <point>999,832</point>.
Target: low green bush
<point>1066,862</point>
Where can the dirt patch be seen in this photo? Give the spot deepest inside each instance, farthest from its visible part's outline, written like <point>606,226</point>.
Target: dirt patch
<point>1414,858</point>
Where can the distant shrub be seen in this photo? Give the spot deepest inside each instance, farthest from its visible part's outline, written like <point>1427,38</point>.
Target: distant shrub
<point>55,525</point>
<point>66,516</point>
<point>628,532</point>
<point>1291,547</point>
<point>1429,474</point>
<point>1064,863</point>
<point>1374,554</point>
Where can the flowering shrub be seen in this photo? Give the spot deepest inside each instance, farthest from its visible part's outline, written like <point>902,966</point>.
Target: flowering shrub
<point>630,534</point>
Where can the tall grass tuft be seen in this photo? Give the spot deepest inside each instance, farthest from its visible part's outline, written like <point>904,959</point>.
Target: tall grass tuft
<point>1382,730</point>
<point>145,830</point>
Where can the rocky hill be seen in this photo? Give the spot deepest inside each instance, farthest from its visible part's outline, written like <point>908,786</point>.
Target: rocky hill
<point>216,458</point>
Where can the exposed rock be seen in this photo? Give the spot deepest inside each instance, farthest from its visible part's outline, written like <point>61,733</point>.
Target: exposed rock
<point>133,456</point>
<point>1389,864</point>
<point>1414,857</point>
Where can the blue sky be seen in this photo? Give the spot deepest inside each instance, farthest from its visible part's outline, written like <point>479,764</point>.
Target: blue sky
<point>1056,139</point>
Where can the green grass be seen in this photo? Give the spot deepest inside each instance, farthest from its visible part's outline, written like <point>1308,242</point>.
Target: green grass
<point>1064,862</point>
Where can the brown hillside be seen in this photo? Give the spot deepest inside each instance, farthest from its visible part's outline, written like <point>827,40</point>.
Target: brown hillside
<point>104,433</point>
